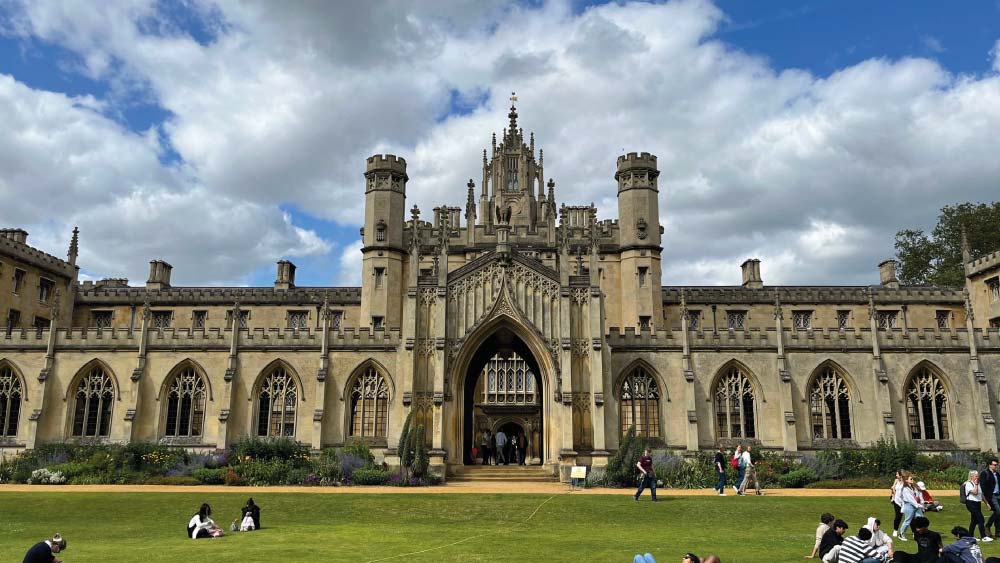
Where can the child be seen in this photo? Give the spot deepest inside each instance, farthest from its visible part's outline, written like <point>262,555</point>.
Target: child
<point>247,524</point>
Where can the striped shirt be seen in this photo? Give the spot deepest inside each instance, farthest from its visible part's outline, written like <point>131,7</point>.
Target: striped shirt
<point>854,549</point>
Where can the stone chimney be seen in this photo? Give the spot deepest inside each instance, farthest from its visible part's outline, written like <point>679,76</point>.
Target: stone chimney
<point>286,275</point>
<point>159,275</point>
<point>887,274</point>
<point>16,235</point>
<point>751,274</point>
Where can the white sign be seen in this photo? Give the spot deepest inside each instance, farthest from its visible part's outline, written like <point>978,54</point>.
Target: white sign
<point>578,472</point>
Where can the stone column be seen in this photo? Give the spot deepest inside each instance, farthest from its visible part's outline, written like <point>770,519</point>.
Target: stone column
<point>788,435</point>
<point>50,360</point>
<point>882,396</point>
<point>132,396</point>
<point>690,401</point>
<point>226,404</point>
<point>321,374</point>
<point>595,315</point>
<point>985,423</point>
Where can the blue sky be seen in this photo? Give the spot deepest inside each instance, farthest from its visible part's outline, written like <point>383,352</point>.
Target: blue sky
<point>269,113</point>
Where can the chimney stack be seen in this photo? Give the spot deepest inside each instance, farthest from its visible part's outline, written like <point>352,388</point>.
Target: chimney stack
<point>286,275</point>
<point>887,274</point>
<point>16,235</point>
<point>159,275</point>
<point>751,274</point>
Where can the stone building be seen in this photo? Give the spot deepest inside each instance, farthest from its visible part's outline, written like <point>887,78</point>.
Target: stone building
<point>513,312</point>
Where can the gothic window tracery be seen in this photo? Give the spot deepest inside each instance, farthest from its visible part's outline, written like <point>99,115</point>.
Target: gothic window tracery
<point>94,401</point>
<point>10,401</point>
<point>277,403</point>
<point>186,404</point>
<point>830,406</point>
<point>735,406</point>
<point>508,381</point>
<point>370,405</point>
<point>639,400</point>
<point>927,407</point>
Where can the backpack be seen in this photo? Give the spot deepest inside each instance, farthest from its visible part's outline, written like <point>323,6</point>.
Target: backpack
<point>962,498</point>
<point>734,462</point>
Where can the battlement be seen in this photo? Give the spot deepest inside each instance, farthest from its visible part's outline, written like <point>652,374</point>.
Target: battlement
<point>13,245</point>
<point>984,263</point>
<point>389,162</point>
<point>636,160</point>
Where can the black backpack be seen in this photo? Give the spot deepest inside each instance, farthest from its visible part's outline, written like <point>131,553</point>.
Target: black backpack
<point>962,498</point>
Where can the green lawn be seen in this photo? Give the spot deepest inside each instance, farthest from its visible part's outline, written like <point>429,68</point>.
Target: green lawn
<point>149,527</point>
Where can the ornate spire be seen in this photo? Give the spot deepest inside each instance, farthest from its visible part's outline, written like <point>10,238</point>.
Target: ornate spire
<point>470,201</point>
<point>513,113</point>
<point>966,255</point>
<point>74,246</point>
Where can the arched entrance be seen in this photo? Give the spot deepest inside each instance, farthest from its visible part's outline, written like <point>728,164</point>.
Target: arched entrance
<point>503,391</point>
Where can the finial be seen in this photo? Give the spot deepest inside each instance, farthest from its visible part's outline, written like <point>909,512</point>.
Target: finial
<point>415,214</point>
<point>541,156</point>
<point>74,246</point>
<point>513,113</point>
<point>966,255</point>
<point>484,157</point>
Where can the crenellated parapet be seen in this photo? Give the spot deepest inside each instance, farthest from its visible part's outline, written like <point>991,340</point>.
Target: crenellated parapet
<point>724,295</point>
<point>983,264</point>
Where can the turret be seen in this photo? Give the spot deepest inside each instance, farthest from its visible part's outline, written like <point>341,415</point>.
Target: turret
<point>639,223</point>
<point>383,252</point>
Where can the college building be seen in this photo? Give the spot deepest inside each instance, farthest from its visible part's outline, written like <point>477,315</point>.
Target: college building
<point>511,312</point>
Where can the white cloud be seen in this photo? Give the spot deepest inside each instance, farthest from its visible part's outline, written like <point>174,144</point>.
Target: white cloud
<point>282,105</point>
<point>350,265</point>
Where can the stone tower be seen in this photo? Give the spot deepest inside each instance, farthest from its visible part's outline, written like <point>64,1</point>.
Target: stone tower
<point>513,179</point>
<point>382,236</point>
<point>639,221</point>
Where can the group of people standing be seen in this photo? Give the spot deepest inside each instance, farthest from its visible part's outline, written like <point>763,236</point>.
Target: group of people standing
<point>910,500</point>
<point>501,449</point>
<point>742,461</point>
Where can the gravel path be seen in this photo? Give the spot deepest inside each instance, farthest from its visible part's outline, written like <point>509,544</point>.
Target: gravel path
<point>463,487</point>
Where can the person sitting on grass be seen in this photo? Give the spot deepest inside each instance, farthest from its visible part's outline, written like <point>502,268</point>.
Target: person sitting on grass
<point>856,549</point>
<point>832,538</point>
<point>965,549</point>
<point>202,526</point>
<point>925,498</point>
<point>928,544</point>
<point>44,551</point>
<point>254,512</point>
<point>824,524</point>
<point>247,524</point>
<point>647,558</point>
<point>690,558</point>
<point>880,540</point>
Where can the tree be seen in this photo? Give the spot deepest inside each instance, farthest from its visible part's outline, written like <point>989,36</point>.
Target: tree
<point>937,259</point>
<point>403,449</point>
<point>420,459</point>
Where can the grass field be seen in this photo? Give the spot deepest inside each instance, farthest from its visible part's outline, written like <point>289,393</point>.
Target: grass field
<point>150,527</point>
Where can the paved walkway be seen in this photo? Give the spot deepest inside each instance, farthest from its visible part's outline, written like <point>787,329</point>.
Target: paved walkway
<point>450,488</point>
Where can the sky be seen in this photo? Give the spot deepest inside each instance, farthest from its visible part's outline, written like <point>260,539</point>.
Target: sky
<point>225,136</point>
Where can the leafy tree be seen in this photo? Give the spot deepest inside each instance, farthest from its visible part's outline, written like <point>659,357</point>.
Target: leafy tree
<point>937,259</point>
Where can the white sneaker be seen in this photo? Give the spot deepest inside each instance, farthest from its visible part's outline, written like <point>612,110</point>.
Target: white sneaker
<point>902,537</point>
<point>735,488</point>
<point>895,533</point>
<point>986,539</point>
<point>722,494</point>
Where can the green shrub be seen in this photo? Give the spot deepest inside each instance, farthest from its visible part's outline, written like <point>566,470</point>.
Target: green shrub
<point>258,473</point>
<point>420,460</point>
<point>403,450</point>
<point>71,470</point>
<point>253,448</point>
<point>797,478</point>
<point>207,476</point>
<point>327,467</point>
<point>180,480</point>
<point>360,450</point>
<point>370,476</point>
<point>621,469</point>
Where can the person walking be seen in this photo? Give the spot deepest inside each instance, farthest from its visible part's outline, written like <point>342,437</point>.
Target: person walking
<point>523,443</point>
<point>911,506</point>
<point>648,477</point>
<point>501,454</point>
<point>45,551</point>
<point>485,445</point>
<point>740,469</point>
<point>974,503</point>
<point>750,473</point>
<point>989,482</point>
<point>720,469</point>
<point>515,449</point>
<point>896,498</point>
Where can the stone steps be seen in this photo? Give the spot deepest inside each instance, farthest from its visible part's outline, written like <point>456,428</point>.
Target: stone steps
<point>501,474</point>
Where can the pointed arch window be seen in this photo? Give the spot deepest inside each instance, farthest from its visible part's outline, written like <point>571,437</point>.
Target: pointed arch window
<point>640,404</point>
<point>186,404</point>
<point>927,407</point>
<point>830,406</point>
<point>11,393</point>
<point>735,406</point>
<point>508,381</point>
<point>94,397</point>
<point>370,405</point>
<point>277,401</point>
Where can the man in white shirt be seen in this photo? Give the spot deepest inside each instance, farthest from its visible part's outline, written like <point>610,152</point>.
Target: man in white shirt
<point>751,472</point>
<point>501,453</point>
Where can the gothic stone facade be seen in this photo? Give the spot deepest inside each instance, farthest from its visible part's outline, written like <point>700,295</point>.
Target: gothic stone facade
<point>514,313</point>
